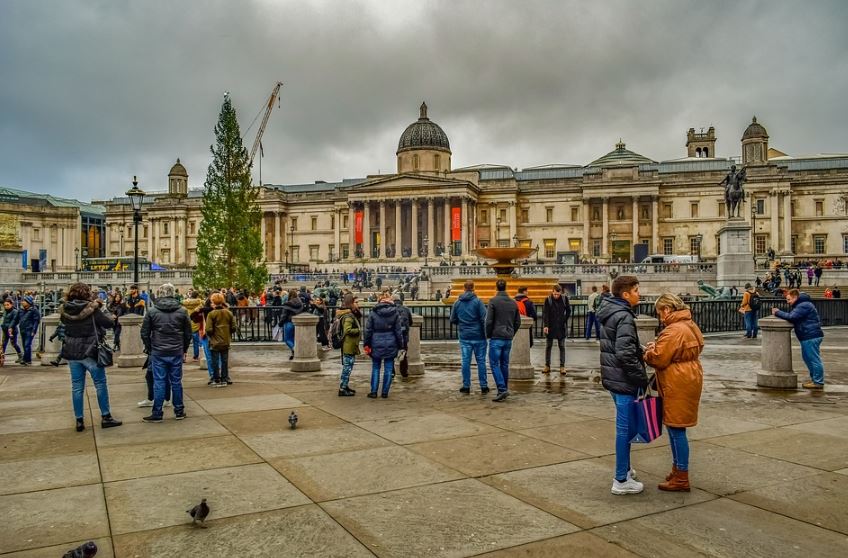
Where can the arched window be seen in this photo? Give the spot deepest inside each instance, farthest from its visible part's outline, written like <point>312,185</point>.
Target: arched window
<point>698,152</point>
<point>706,152</point>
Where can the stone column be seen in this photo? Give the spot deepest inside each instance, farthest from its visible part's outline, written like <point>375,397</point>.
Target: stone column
<point>655,225</point>
<point>463,222</point>
<point>150,226</point>
<point>351,231</point>
<point>132,353</point>
<point>337,233</point>
<point>431,228</point>
<point>519,358</point>
<point>51,348</point>
<point>635,237</point>
<point>366,230</point>
<point>774,239</point>
<point>262,233</point>
<point>587,223</point>
<point>446,240</point>
<point>646,327</point>
<point>305,348</point>
<point>787,222</point>
<point>513,230</point>
<point>776,356</point>
<point>493,220</point>
<point>413,352</point>
<point>173,241</point>
<point>398,235</point>
<point>382,253</point>
<point>605,228</point>
<point>413,242</point>
<point>277,243</point>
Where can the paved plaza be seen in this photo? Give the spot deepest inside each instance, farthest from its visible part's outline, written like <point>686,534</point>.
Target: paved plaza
<point>427,472</point>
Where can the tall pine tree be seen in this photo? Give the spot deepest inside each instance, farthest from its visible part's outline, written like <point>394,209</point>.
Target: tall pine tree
<point>229,243</point>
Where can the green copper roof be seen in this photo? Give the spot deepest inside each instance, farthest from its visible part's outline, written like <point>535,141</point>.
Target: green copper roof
<point>620,157</point>
<point>13,195</point>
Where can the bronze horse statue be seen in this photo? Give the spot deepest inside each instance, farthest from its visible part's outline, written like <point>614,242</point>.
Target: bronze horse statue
<point>734,193</point>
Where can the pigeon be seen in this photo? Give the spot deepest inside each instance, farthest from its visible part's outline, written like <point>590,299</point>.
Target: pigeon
<point>293,420</point>
<point>85,550</point>
<point>199,512</point>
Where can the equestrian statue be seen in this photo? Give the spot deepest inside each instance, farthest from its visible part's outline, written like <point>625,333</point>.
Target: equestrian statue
<point>734,193</point>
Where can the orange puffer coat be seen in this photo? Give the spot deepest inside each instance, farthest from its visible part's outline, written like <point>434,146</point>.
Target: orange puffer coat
<point>680,377</point>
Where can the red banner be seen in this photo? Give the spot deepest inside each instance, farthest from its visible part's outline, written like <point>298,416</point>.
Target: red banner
<point>357,226</point>
<point>456,223</point>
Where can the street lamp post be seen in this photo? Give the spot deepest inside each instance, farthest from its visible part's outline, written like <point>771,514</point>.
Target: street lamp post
<point>498,232</point>
<point>76,259</point>
<point>754,230</point>
<point>136,196</point>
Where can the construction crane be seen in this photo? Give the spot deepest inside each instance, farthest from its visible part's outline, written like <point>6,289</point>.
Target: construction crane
<point>269,106</point>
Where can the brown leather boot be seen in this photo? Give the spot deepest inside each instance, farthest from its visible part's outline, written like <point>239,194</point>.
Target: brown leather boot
<point>673,472</point>
<point>546,370</point>
<point>679,482</point>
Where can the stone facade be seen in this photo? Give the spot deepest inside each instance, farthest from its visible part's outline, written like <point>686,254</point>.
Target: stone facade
<point>619,207</point>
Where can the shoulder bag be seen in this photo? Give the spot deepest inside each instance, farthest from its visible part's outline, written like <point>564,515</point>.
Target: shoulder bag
<point>104,355</point>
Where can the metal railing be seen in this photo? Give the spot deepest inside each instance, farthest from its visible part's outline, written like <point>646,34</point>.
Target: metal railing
<point>700,269</point>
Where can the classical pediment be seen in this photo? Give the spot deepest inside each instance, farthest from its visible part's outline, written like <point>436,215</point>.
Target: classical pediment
<point>407,184</point>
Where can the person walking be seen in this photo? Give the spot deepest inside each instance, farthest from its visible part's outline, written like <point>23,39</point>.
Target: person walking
<point>592,303</point>
<point>383,339</point>
<point>220,325</point>
<point>817,272</point>
<point>192,304</point>
<point>166,335</point>
<point>502,323</point>
<point>805,320</point>
<point>85,323</point>
<point>405,315</point>
<point>469,315</point>
<point>623,372</point>
<point>291,308</point>
<point>350,320</point>
<point>750,308</point>
<point>810,274</point>
<point>10,328</point>
<point>676,356</point>
<point>28,319</point>
<point>555,316</point>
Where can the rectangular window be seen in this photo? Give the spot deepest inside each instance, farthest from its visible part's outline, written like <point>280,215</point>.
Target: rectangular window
<point>574,214</point>
<point>693,210</point>
<point>484,216</point>
<point>761,207</point>
<point>345,251</point>
<point>721,208</point>
<point>314,223</point>
<point>313,252</point>
<point>293,225</point>
<point>694,245</point>
<point>667,213</point>
<point>525,216</point>
<point>668,246</point>
<point>844,244</point>
<point>503,243</point>
<point>36,234</point>
<point>191,227</point>
<point>484,244</point>
<point>819,243</point>
<point>760,244</point>
<point>794,244</point>
<point>596,213</point>
<point>295,254</point>
<point>332,222</point>
<point>596,248</point>
<point>502,215</point>
<point>644,212</point>
<point>550,248</point>
<point>718,245</point>
<point>575,244</point>
<point>166,227</point>
<point>129,232</point>
<point>792,209</point>
<point>549,214</point>
<point>819,208</point>
<point>345,221</point>
<point>144,231</point>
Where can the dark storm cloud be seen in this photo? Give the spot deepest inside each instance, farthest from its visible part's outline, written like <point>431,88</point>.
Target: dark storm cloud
<point>94,92</point>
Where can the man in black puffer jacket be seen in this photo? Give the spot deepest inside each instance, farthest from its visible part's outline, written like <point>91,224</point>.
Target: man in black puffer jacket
<point>166,334</point>
<point>502,323</point>
<point>622,371</point>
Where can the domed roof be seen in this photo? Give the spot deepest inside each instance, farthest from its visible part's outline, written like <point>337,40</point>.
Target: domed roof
<point>178,170</point>
<point>620,157</point>
<point>423,134</point>
<point>754,130</point>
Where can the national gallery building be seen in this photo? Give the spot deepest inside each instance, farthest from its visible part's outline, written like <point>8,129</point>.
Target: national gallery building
<point>620,207</point>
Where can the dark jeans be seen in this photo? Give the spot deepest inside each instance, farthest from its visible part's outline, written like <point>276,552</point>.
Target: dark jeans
<point>499,350</point>
<point>117,337</point>
<point>549,344</point>
<point>148,377</point>
<point>592,322</point>
<point>220,365</point>
<point>27,343</point>
<point>11,338</point>
<point>321,332</point>
<point>752,326</point>
<point>167,368</point>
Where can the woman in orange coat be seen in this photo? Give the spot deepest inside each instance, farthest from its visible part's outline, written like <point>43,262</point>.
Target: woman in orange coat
<point>676,357</point>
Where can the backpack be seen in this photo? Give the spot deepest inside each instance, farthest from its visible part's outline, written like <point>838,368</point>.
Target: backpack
<point>522,307</point>
<point>596,303</point>
<point>337,332</point>
<point>754,302</point>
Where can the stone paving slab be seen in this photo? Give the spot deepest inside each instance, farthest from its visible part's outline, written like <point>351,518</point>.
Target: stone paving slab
<point>36,406</point>
<point>359,408</point>
<point>579,492</point>
<point>25,422</point>
<point>51,517</point>
<point>723,528</point>
<point>304,531</point>
<point>396,467</point>
<point>162,501</point>
<point>576,545</point>
<point>169,430</point>
<point>296,443</point>
<point>276,420</point>
<point>814,450</point>
<point>774,412</point>
<point>28,445</point>
<point>224,405</point>
<point>48,472</point>
<point>523,417</point>
<point>487,454</point>
<point>104,550</point>
<point>712,424</point>
<point>166,458</point>
<point>830,427</point>
<point>452,519</point>
<point>424,427</point>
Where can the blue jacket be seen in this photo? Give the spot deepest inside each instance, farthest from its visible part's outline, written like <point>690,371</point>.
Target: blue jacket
<point>804,318</point>
<point>383,331</point>
<point>469,313</point>
<point>28,320</point>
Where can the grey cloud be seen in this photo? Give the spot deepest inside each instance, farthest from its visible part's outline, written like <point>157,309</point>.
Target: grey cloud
<point>94,92</point>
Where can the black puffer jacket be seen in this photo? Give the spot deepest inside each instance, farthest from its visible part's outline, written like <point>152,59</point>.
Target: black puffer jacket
<point>622,366</point>
<point>555,316</point>
<point>502,317</point>
<point>291,308</point>
<point>83,322</point>
<point>166,329</point>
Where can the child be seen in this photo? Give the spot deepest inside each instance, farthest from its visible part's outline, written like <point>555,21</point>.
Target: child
<point>220,325</point>
<point>60,333</point>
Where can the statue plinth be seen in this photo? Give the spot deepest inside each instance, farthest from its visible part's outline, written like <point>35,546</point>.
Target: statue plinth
<point>735,262</point>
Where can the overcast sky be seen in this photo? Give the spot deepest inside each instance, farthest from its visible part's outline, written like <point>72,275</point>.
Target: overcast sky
<point>92,92</point>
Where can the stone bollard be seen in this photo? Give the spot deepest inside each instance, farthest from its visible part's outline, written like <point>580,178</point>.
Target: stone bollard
<point>413,352</point>
<point>646,327</point>
<point>776,358</point>
<point>519,358</point>
<point>51,348</point>
<point>132,351</point>
<point>305,348</point>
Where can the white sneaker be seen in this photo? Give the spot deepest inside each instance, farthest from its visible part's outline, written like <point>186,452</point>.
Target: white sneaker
<point>145,403</point>
<point>631,474</point>
<point>629,486</point>
<point>166,404</point>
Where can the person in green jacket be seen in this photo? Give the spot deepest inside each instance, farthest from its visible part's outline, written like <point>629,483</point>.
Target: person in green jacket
<point>350,320</point>
<point>220,324</point>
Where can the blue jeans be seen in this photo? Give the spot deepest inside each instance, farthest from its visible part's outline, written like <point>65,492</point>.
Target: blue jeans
<point>679,447</point>
<point>592,323</point>
<point>499,362</point>
<point>11,339</point>
<point>288,334</point>
<point>172,368</point>
<point>347,368</point>
<point>810,352</point>
<point>478,348</point>
<point>27,345</point>
<point>195,344</point>
<point>98,376</point>
<point>752,324</point>
<point>623,408</point>
<point>388,368</point>
<point>207,352</point>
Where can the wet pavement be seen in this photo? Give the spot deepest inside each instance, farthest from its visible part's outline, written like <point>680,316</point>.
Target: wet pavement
<point>426,472</point>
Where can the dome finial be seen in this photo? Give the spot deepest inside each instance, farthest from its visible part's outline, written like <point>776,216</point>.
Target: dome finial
<point>423,114</point>
<point>620,144</point>
<point>178,160</point>
<point>754,120</point>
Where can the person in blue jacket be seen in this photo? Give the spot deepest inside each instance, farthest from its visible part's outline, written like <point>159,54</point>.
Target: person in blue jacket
<point>10,327</point>
<point>382,341</point>
<point>805,320</point>
<point>28,321</point>
<point>469,315</point>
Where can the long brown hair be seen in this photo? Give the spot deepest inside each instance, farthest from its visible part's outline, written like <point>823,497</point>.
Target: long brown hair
<point>79,291</point>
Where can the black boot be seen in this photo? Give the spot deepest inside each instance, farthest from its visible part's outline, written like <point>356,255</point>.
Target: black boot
<point>108,422</point>
<point>80,425</point>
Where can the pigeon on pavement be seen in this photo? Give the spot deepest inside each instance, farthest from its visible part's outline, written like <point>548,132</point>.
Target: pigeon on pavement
<point>293,420</point>
<point>199,512</point>
<point>85,550</point>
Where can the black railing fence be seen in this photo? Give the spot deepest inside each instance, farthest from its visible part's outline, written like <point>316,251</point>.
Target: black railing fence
<point>256,324</point>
